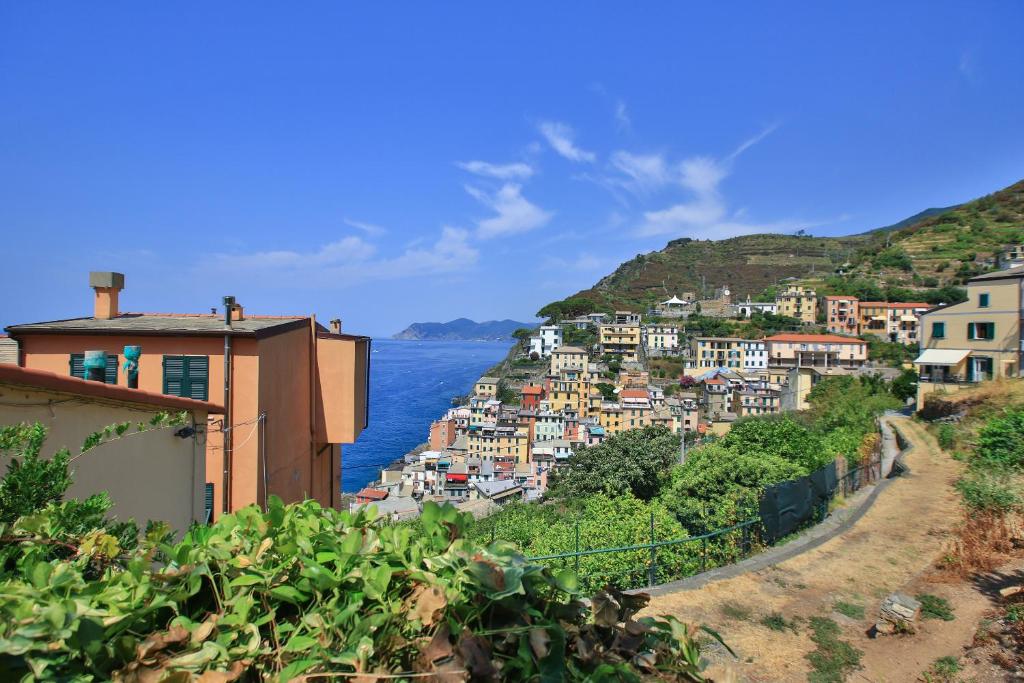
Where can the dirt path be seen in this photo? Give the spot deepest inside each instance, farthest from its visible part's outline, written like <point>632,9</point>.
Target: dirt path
<point>890,548</point>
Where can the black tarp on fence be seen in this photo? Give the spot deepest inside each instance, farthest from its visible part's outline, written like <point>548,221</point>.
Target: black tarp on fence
<point>788,505</point>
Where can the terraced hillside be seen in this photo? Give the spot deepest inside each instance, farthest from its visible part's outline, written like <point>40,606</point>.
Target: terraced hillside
<point>957,243</point>
<point>933,248</point>
<point>745,264</point>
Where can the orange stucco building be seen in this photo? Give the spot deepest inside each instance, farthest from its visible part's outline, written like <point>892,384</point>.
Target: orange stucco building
<point>293,392</point>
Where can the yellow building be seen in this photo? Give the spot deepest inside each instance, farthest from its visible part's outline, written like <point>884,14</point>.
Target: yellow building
<point>621,340</point>
<point>610,418</point>
<point>718,352</point>
<point>798,302</point>
<point>975,340</point>
<point>486,387</point>
<point>570,391</point>
<point>569,358</point>
<point>488,443</point>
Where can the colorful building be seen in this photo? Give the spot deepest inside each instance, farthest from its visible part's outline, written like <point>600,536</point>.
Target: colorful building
<point>975,340</point>
<point>798,302</point>
<point>719,352</point>
<point>293,391</point>
<point>568,358</point>
<point>158,474</point>
<point>620,340</point>
<point>816,350</point>
<point>842,315</point>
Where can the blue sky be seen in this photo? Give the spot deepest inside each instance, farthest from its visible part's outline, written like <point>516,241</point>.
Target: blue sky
<point>398,162</point>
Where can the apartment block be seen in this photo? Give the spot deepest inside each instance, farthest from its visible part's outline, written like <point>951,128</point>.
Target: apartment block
<point>719,352</point>
<point>842,315</point>
<point>975,340</point>
<point>798,302</point>
<point>815,350</point>
<point>621,340</point>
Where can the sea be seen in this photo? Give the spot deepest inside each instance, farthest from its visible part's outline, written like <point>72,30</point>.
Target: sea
<point>411,384</point>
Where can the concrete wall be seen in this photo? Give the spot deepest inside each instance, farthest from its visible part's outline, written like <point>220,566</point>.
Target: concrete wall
<point>154,475</point>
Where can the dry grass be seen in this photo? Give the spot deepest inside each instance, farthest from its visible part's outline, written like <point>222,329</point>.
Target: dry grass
<point>983,541</point>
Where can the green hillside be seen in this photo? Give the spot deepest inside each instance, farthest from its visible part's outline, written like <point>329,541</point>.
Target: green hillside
<point>934,248</point>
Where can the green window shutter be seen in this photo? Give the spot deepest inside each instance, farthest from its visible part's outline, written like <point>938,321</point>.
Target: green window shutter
<point>971,331</point>
<point>198,377</point>
<point>983,300</point>
<point>174,375</point>
<point>76,365</point>
<point>939,330</point>
<point>111,375</point>
<point>187,376</point>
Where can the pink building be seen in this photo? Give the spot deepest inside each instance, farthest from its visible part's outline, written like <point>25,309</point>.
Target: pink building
<point>842,315</point>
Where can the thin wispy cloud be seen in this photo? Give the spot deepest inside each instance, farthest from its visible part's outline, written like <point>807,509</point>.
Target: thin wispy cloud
<point>622,119</point>
<point>750,142</point>
<point>368,228</point>
<point>561,138</point>
<point>515,213</point>
<point>513,171</point>
<point>350,261</point>
<point>643,173</point>
<point>704,213</point>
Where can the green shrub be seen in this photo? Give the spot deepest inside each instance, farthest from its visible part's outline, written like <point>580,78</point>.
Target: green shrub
<point>302,589</point>
<point>988,491</point>
<point>946,436</point>
<point>1001,440</point>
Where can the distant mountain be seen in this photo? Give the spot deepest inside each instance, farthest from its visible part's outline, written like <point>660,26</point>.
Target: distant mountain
<point>463,329</point>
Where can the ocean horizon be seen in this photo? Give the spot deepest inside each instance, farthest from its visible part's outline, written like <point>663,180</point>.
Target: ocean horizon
<point>412,382</point>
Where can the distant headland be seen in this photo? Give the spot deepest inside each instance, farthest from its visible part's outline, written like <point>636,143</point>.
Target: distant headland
<point>463,329</point>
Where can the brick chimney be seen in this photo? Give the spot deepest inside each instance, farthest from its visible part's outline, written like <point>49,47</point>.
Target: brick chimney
<point>107,286</point>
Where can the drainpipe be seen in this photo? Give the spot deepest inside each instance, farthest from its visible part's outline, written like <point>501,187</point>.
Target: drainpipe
<point>228,433</point>
<point>313,379</point>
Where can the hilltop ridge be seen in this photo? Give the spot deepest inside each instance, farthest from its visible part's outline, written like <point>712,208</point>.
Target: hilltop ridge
<point>935,247</point>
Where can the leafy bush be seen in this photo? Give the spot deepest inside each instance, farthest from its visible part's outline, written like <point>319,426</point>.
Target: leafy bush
<point>893,257</point>
<point>719,486</point>
<point>634,461</point>
<point>1001,441</point>
<point>298,589</point>
<point>31,482</point>
<point>989,491</point>
<point>303,589</point>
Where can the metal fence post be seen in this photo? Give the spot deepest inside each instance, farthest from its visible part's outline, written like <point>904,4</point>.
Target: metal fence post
<point>652,572</point>
<point>745,542</point>
<point>703,553</point>
<point>577,547</point>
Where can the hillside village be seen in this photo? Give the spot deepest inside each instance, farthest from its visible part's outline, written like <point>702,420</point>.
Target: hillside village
<point>575,381</point>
